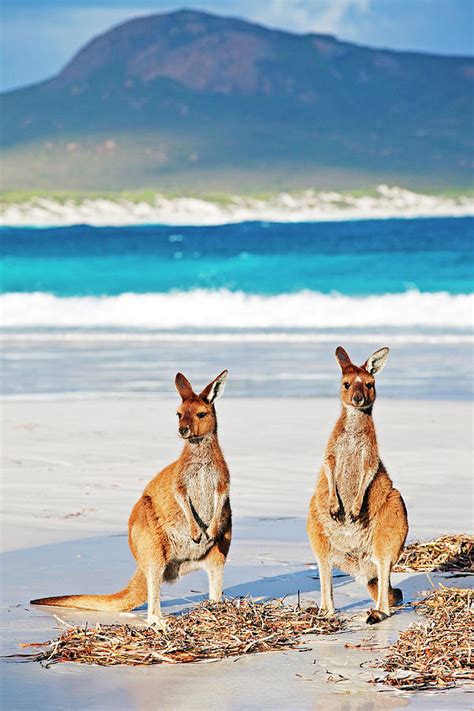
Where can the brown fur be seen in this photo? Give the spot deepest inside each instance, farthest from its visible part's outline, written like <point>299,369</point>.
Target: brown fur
<point>182,522</point>
<point>357,520</point>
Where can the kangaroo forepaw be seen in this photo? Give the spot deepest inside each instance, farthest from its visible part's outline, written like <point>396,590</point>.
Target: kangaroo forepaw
<point>212,533</point>
<point>196,534</point>
<point>354,513</point>
<point>375,616</point>
<point>335,510</point>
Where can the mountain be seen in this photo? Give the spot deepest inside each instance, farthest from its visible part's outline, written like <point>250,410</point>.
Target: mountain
<point>191,100</point>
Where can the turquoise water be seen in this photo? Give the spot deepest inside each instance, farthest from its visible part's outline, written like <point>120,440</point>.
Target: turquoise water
<point>117,311</point>
<point>354,258</point>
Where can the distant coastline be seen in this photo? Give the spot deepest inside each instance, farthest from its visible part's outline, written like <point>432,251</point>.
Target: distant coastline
<point>118,209</point>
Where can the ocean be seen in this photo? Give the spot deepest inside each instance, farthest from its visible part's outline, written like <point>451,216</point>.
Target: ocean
<point>118,310</point>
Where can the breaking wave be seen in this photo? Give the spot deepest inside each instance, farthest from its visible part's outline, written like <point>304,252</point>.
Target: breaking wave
<point>222,309</point>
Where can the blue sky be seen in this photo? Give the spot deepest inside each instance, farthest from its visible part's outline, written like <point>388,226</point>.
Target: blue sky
<point>39,36</point>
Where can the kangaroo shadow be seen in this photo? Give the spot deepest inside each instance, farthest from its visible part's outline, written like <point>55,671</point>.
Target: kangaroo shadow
<point>461,564</point>
<point>266,588</point>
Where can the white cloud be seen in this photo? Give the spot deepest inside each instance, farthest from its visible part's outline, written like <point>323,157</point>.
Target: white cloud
<point>324,16</point>
<point>333,18</point>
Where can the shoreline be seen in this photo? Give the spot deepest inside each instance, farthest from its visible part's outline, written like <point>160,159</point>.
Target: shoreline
<point>73,370</point>
<point>385,202</point>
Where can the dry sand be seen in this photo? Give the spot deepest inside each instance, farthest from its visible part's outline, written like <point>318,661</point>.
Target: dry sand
<point>71,473</point>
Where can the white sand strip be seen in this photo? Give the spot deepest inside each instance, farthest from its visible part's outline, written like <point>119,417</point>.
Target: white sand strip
<point>306,206</point>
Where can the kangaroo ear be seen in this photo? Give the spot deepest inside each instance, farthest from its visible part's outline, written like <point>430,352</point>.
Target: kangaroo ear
<point>214,390</point>
<point>377,360</point>
<point>183,386</point>
<point>342,358</point>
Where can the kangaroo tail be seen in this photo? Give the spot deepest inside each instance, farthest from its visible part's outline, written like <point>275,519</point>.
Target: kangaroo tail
<point>134,594</point>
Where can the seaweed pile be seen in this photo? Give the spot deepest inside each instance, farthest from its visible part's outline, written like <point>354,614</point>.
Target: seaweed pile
<point>436,654</point>
<point>453,553</point>
<point>210,631</point>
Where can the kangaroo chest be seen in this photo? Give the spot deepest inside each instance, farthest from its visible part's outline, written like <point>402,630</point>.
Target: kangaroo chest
<point>351,453</point>
<point>201,485</point>
<point>350,542</point>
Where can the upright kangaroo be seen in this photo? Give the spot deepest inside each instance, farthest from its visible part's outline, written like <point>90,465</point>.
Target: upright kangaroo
<point>357,521</point>
<point>183,520</point>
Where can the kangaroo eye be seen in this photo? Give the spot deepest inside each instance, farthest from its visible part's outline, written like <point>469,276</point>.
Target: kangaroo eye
<point>347,386</point>
<point>179,415</point>
<point>201,415</point>
<point>369,386</point>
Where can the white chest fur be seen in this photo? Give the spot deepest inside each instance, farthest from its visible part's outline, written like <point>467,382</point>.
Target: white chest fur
<point>352,448</point>
<point>201,484</point>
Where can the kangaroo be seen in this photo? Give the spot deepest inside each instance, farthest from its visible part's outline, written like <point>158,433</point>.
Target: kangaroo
<point>183,520</point>
<point>357,521</point>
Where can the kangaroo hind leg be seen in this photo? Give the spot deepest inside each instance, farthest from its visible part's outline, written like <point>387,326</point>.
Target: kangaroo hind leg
<point>389,536</point>
<point>149,546</point>
<point>382,610</point>
<point>214,563</point>
<point>321,548</point>
<point>154,579</point>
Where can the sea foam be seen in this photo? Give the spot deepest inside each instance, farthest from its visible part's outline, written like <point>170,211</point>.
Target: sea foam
<point>222,309</point>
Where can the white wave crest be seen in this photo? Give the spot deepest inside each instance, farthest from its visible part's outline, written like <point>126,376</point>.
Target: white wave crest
<point>227,310</point>
<point>306,206</point>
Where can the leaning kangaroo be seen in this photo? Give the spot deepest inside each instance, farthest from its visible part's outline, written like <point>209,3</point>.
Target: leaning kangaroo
<point>183,520</point>
<point>357,520</point>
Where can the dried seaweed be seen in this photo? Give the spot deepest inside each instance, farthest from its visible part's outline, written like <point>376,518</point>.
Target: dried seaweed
<point>210,631</point>
<point>446,553</point>
<point>436,654</point>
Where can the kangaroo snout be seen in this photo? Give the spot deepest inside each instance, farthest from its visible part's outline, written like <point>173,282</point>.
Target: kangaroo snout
<point>184,431</point>
<point>358,399</point>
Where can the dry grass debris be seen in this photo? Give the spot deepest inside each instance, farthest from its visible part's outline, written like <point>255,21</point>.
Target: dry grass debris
<point>210,631</point>
<point>447,553</point>
<point>437,653</point>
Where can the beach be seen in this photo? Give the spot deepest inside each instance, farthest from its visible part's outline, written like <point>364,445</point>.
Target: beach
<point>72,470</point>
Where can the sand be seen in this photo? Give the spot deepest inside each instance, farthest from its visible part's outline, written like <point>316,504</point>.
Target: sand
<point>71,473</point>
